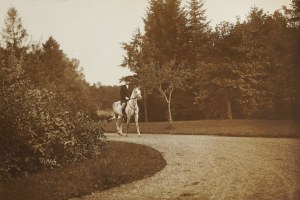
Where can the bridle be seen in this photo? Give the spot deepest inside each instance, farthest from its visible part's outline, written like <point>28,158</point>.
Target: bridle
<point>130,105</point>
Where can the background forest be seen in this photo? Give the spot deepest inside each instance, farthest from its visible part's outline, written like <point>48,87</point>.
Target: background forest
<point>247,69</point>
<point>187,70</point>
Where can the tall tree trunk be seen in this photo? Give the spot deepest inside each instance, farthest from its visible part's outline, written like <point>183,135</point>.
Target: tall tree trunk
<point>169,109</point>
<point>168,100</point>
<point>170,113</point>
<point>145,106</point>
<point>228,105</point>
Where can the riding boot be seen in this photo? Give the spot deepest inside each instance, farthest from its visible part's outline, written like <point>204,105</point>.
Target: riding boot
<point>124,113</point>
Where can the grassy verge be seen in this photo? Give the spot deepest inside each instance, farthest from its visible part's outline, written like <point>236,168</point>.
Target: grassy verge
<point>244,128</point>
<point>118,164</point>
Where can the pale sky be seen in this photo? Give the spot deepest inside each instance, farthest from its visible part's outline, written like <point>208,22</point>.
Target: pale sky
<point>92,30</point>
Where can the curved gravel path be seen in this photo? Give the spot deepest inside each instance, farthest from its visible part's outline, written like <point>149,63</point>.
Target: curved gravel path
<point>211,167</point>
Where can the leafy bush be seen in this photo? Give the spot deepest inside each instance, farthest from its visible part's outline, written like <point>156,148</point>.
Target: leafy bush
<point>37,129</point>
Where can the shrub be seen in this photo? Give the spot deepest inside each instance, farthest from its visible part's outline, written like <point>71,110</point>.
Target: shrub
<point>38,133</point>
<point>37,129</point>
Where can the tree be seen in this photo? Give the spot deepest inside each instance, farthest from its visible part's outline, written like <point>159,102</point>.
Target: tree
<point>158,56</point>
<point>53,60</point>
<point>134,59</point>
<point>40,127</point>
<point>33,65</point>
<point>198,48</point>
<point>14,34</point>
<point>277,40</point>
<point>166,31</point>
<point>293,14</point>
<point>198,33</point>
<point>240,68</point>
<point>165,36</point>
<point>213,77</point>
<point>292,53</point>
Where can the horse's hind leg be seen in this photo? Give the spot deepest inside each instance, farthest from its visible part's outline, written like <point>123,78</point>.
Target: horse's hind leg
<point>116,121</point>
<point>119,130</point>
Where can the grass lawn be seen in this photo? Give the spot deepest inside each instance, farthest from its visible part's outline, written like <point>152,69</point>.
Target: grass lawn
<point>119,163</point>
<point>240,128</point>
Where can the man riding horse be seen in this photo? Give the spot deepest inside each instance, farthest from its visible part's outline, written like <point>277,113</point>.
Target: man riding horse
<point>125,92</point>
<point>131,109</point>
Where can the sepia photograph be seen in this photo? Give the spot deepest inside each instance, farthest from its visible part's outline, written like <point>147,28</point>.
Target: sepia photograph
<point>149,99</point>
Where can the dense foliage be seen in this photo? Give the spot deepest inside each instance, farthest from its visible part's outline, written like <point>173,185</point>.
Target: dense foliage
<point>47,109</point>
<point>246,69</point>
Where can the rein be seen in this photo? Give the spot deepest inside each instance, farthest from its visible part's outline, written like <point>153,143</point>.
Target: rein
<point>130,105</point>
<point>132,98</point>
<point>134,108</point>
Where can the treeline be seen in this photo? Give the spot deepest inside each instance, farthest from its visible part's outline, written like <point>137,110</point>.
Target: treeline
<point>246,69</point>
<point>47,109</point>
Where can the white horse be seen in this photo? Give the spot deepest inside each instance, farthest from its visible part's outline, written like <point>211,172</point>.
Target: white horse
<point>131,109</point>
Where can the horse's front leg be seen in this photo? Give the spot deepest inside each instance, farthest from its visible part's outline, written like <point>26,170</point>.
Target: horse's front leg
<point>127,124</point>
<point>136,119</point>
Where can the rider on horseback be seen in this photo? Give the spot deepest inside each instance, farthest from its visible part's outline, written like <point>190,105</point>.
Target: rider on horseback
<point>125,93</point>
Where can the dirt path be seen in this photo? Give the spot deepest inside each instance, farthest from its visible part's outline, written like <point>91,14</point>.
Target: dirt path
<point>208,167</point>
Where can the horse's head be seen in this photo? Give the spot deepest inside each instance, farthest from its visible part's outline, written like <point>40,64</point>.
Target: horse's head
<point>137,93</point>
